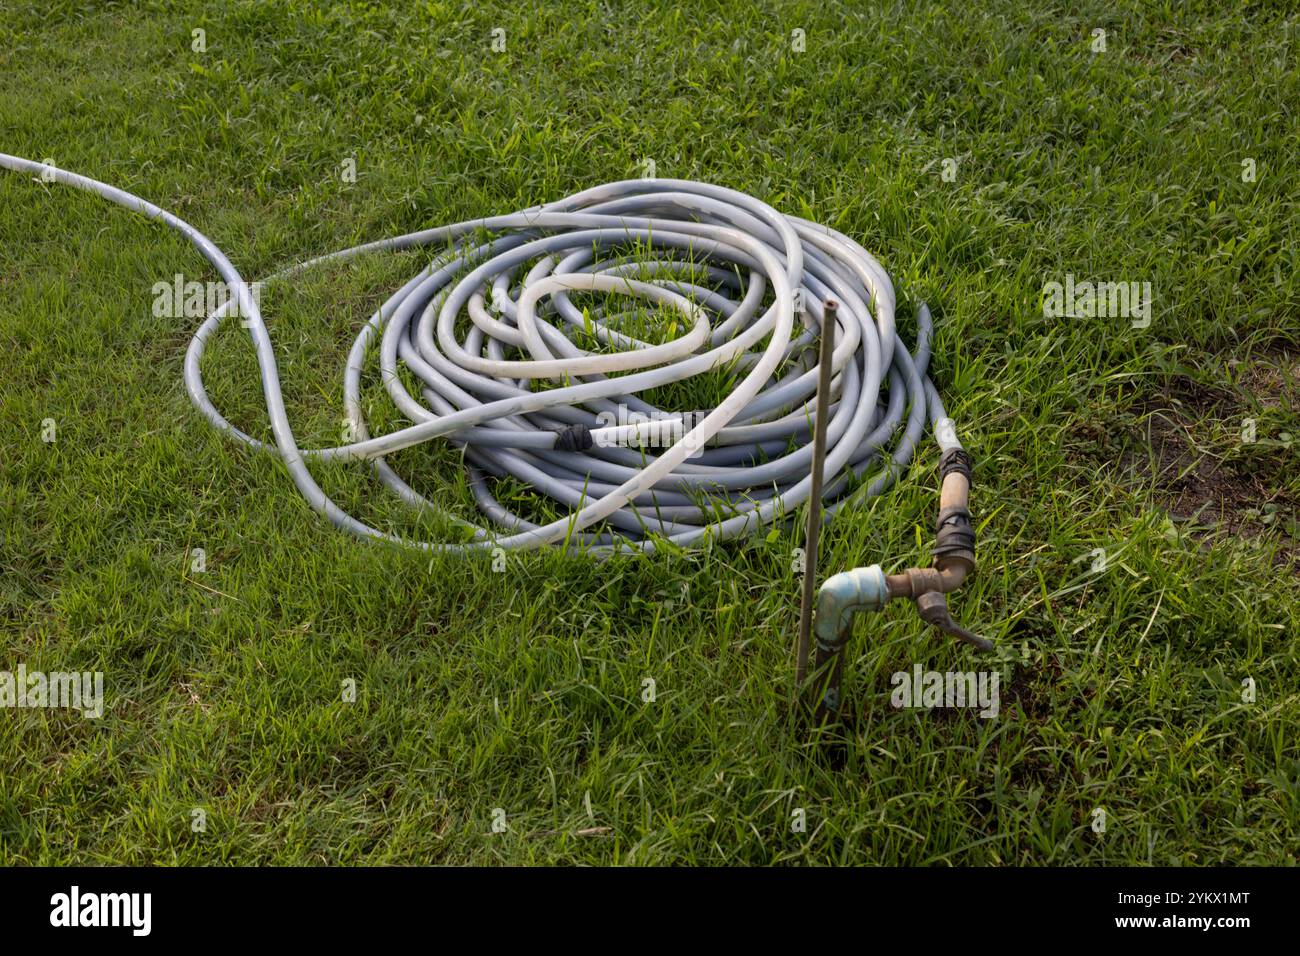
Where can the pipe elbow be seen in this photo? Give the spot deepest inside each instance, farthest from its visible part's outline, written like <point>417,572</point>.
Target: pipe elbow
<point>843,594</point>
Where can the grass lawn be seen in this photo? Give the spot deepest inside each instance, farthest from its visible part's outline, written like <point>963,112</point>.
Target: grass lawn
<point>1138,554</point>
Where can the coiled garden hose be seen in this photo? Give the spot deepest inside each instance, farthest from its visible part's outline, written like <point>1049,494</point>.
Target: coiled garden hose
<point>534,386</point>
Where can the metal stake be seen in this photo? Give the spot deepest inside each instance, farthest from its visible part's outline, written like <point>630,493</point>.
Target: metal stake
<point>827,347</point>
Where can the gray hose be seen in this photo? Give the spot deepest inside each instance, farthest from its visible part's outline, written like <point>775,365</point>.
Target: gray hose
<point>491,333</point>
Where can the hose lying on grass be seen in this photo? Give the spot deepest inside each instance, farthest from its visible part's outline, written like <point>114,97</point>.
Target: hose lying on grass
<point>492,335</point>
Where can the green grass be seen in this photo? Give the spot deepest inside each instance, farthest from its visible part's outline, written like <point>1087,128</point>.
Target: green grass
<point>522,690</point>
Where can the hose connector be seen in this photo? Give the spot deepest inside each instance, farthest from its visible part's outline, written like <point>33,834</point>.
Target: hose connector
<point>954,543</point>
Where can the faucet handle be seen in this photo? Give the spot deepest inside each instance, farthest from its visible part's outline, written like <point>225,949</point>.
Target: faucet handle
<point>933,608</point>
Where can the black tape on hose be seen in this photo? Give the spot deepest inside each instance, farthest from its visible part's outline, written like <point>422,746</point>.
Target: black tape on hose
<point>955,459</point>
<point>954,533</point>
<point>573,438</point>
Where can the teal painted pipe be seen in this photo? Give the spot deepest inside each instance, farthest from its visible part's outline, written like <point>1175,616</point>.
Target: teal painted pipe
<point>839,598</point>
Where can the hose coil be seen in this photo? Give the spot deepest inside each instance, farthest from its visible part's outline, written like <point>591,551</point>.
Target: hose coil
<point>562,396</point>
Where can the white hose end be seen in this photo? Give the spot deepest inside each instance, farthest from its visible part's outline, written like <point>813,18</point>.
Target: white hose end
<point>945,433</point>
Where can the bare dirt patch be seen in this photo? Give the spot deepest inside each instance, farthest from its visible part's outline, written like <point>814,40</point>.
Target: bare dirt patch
<point>1220,458</point>
<point>1193,484</point>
